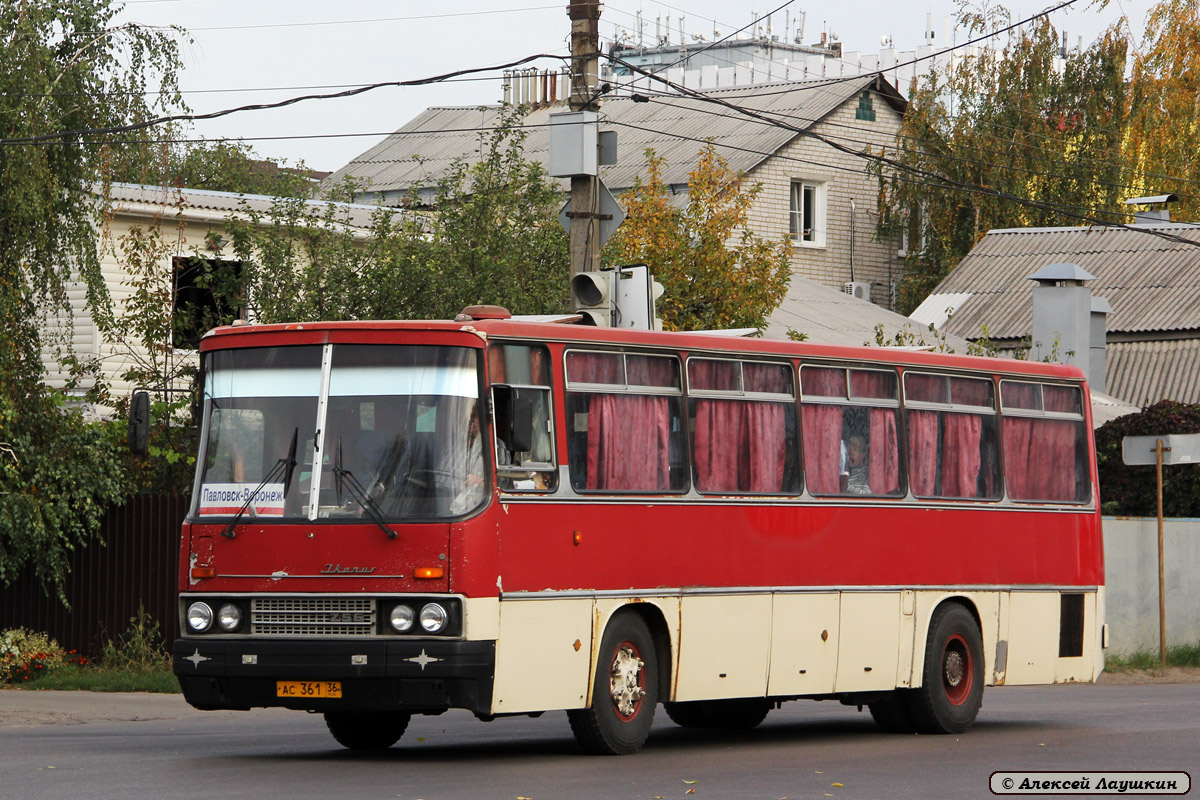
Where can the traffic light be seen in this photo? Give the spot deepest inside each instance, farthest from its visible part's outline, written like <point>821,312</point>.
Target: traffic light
<point>591,296</point>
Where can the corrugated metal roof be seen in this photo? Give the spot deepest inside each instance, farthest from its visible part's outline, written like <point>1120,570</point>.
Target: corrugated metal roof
<point>830,316</point>
<point>1143,373</point>
<point>421,152</point>
<point>1153,283</point>
<point>355,214</point>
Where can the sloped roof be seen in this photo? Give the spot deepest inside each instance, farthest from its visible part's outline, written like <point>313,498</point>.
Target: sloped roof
<point>1145,372</point>
<point>357,215</point>
<point>675,126</point>
<point>829,316</point>
<point>1152,283</point>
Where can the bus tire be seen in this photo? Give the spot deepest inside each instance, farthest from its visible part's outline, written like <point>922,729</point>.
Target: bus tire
<point>951,693</point>
<point>367,730</point>
<point>625,691</point>
<point>892,715</point>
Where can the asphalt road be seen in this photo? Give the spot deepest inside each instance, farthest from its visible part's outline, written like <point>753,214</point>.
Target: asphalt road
<point>155,747</point>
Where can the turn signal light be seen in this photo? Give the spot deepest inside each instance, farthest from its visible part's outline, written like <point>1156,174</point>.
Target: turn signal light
<point>429,573</point>
<point>204,572</point>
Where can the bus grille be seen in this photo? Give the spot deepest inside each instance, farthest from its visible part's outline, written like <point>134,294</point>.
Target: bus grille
<point>312,616</point>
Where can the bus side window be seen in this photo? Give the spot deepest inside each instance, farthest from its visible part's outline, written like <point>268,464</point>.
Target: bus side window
<point>1044,439</point>
<point>951,436</point>
<point>850,431</point>
<point>743,426</point>
<point>522,372</point>
<point>626,424</point>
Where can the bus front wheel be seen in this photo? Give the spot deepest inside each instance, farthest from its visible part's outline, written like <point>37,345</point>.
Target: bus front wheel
<point>951,693</point>
<point>625,691</point>
<point>367,731</point>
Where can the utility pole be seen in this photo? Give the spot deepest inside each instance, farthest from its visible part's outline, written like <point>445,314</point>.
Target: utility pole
<point>585,96</point>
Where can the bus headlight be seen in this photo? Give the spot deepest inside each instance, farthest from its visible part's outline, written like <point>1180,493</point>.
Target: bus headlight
<point>229,617</point>
<point>402,617</point>
<point>434,618</point>
<point>199,617</point>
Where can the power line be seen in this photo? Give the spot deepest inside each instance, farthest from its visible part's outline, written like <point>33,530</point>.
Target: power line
<point>62,135</point>
<point>908,168</point>
<point>377,19</point>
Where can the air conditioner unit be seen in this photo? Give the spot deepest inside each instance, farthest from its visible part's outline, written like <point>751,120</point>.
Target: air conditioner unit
<point>859,289</point>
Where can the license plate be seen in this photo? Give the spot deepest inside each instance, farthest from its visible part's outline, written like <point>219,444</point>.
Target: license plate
<point>329,689</point>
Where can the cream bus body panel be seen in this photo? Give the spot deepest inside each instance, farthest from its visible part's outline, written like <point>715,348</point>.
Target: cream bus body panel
<point>724,646</point>
<point>804,643</point>
<point>543,655</point>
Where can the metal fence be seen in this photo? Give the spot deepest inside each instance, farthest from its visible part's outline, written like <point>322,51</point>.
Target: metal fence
<point>137,567</point>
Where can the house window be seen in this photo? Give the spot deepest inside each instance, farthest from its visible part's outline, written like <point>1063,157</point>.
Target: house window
<point>866,108</point>
<point>208,293</point>
<point>806,224</point>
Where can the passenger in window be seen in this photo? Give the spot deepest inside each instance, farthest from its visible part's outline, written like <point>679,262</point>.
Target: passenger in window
<point>858,479</point>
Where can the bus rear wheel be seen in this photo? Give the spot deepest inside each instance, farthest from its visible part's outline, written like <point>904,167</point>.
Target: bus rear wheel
<point>951,693</point>
<point>369,730</point>
<point>625,691</point>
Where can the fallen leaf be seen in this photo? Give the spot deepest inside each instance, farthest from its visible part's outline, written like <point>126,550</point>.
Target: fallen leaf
<point>691,781</point>
<point>838,784</point>
<point>420,738</point>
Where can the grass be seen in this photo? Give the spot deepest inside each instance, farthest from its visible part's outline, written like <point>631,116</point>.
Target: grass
<point>106,679</point>
<point>1182,655</point>
<point>134,661</point>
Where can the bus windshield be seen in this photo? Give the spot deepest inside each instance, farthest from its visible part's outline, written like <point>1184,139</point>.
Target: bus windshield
<point>389,432</point>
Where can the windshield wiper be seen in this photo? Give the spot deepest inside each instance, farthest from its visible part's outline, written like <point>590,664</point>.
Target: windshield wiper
<point>341,476</point>
<point>285,466</point>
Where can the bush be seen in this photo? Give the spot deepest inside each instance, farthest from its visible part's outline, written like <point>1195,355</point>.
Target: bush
<point>26,656</point>
<point>140,647</point>
<point>1131,491</point>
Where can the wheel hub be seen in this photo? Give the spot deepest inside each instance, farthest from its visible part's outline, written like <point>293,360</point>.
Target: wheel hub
<point>625,681</point>
<point>953,668</point>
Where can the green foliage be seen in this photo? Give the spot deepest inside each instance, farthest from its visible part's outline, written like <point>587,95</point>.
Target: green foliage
<point>716,273</point>
<point>140,647</point>
<point>27,656</point>
<point>62,68</point>
<point>1182,655</point>
<point>1007,120</point>
<point>1132,491</point>
<point>216,166</point>
<point>492,237</point>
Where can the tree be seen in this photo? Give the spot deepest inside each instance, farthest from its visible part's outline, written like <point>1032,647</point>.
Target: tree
<point>1002,124</point>
<point>715,272</point>
<point>491,236</point>
<point>1132,490</point>
<point>217,166</point>
<point>1164,119</point>
<point>62,69</point>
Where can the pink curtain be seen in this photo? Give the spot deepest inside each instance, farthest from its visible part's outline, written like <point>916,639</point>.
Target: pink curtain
<point>740,446</point>
<point>922,451</point>
<point>884,469</point>
<point>629,442</point>
<point>822,430</point>
<point>595,368</point>
<point>961,455</point>
<point>1039,458</point>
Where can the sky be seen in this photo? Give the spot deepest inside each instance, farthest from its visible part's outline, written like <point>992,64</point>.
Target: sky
<point>244,52</point>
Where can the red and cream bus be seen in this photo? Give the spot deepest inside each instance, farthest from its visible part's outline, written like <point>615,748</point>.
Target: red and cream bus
<point>511,517</point>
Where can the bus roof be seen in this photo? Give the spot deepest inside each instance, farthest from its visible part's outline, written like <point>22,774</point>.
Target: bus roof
<point>711,342</point>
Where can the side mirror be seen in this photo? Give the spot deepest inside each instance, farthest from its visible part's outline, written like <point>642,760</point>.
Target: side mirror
<point>514,419</point>
<point>139,423</point>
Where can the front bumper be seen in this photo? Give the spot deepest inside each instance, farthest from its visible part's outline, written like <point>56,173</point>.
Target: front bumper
<point>415,675</point>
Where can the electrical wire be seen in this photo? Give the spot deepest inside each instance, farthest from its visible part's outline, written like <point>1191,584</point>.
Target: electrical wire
<point>884,161</point>
<point>63,135</point>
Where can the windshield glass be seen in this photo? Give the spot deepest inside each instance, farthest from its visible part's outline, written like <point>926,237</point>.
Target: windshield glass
<point>400,422</point>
